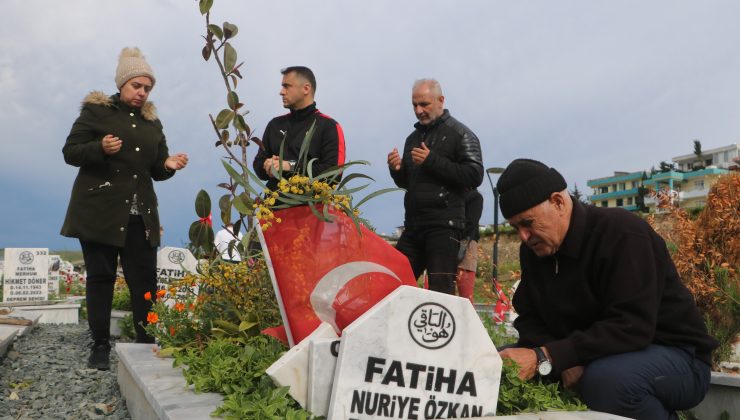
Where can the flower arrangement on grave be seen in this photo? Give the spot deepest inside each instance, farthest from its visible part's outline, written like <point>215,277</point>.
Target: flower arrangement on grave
<point>72,284</point>
<point>230,299</point>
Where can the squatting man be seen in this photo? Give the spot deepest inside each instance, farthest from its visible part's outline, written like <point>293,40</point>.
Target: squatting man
<point>601,306</point>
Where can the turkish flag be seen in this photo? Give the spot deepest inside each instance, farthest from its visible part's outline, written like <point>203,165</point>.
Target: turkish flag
<point>328,271</point>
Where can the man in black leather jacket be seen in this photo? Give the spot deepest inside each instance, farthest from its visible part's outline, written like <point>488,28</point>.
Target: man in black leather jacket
<point>441,160</point>
<point>327,144</point>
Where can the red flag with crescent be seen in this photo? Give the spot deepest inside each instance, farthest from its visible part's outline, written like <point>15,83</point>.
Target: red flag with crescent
<point>328,271</point>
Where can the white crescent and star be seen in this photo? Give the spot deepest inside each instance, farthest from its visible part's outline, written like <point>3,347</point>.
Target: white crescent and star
<point>323,295</point>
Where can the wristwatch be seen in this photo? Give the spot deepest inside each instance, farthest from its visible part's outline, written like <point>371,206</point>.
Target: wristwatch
<point>544,367</point>
<point>291,165</point>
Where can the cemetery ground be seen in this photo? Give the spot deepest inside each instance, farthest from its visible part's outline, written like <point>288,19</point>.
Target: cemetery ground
<point>45,370</point>
<point>45,376</point>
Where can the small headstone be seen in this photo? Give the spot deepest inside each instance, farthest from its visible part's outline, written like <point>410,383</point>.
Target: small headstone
<point>416,354</point>
<point>322,361</point>
<point>55,262</point>
<point>25,274</point>
<point>173,264</point>
<point>292,368</point>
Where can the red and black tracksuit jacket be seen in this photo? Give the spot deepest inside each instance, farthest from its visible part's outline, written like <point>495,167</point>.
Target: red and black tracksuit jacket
<point>327,143</point>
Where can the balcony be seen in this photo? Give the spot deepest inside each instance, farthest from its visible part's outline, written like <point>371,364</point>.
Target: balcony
<point>632,192</point>
<point>698,193</point>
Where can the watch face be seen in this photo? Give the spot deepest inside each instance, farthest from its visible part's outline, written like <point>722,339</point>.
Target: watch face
<point>544,368</point>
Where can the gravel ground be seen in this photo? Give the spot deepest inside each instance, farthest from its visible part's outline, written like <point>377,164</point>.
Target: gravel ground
<point>45,376</point>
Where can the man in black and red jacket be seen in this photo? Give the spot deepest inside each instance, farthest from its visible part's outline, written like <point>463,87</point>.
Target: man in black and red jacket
<point>327,143</point>
<point>441,160</point>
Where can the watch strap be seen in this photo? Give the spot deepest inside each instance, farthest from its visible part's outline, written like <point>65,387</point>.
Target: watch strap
<point>540,355</point>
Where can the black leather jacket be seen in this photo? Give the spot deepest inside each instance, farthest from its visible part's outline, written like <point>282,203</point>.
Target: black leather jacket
<point>435,190</point>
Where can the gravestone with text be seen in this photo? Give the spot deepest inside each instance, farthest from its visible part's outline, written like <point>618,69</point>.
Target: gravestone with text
<point>55,262</point>
<point>25,274</point>
<point>173,264</point>
<point>416,354</point>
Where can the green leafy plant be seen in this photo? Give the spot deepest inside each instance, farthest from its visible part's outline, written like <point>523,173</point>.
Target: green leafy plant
<point>236,368</point>
<point>121,296</point>
<point>173,326</point>
<point>223,300</point>
<point>518,396</point>
<point>126,324</point>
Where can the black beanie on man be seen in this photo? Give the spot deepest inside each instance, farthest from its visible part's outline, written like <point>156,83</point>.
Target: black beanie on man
<point>526,183</point>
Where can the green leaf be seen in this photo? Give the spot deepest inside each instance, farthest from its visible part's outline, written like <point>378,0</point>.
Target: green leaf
<point>232,99</point>
<point>320,215</point>
<point>229,57</point>
<point>332,172</point>
<point>166,352</point>
<point>242,206</point>
<point>291,201</point>
<point>224,203</point>
<point>205,6</point>
<point>350,191</point>
<point>216,30</point>
<point>239,179</point>
<point>202,204</point>
<point>224,118</point>
<point>245,325</point>
<point>309,168</point>
<point>350,177</point>
<point>356,220</point>
<point>240,124</point>
<point>303,153</point>
<point>375,194</point>
<point>230,327</point>
<point>201,235</point>
<point>230,30</point>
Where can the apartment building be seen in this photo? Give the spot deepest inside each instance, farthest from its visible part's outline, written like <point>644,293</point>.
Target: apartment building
<point>721,157</point>
<point>618,190</point>
<point>684,189</point>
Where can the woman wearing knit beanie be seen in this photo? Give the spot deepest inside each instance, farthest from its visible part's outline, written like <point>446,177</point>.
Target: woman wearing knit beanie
<point>118,145</point>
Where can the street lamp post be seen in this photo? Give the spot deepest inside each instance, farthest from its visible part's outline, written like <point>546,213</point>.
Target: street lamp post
<point>494,269</point>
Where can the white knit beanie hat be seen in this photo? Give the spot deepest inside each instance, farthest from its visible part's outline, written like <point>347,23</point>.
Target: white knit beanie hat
<point>132,63</point>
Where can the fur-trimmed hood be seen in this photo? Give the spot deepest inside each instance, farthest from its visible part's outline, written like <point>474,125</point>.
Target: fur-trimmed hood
<point>96,97</point>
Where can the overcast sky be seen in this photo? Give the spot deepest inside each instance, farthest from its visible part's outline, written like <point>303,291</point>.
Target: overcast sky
<point>589,87</point>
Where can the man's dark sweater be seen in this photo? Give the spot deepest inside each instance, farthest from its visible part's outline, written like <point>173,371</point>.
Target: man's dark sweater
<point>610,288</point>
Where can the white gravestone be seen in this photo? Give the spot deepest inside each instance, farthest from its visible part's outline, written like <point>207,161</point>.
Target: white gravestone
<point>55,262</point>
<point>416,354</point>
<point>25,274</point>
<point>173,264</point>
<point>291,369</point>
<point>322,360</point>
